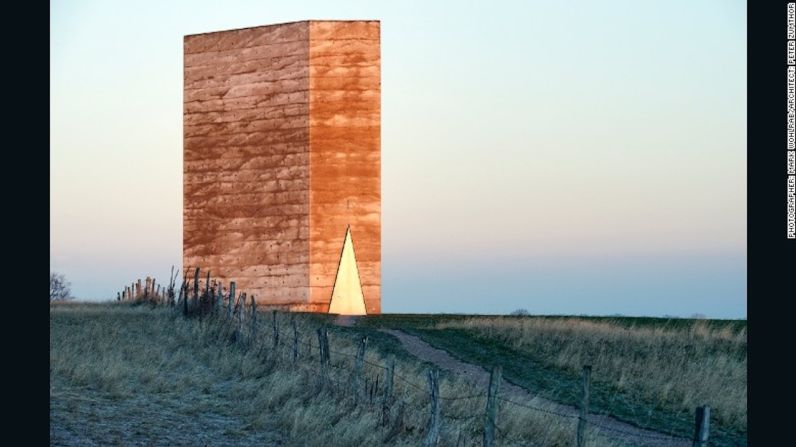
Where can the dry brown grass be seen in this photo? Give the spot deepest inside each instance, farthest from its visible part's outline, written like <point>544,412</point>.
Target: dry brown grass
<point>124,375</point>
<point>682,365</point>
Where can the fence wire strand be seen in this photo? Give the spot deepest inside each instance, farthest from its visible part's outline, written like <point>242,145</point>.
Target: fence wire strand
<point>409,382</point>
<point>228,324</point>
<point>461,418</point>
<point>629,433</point>
<point>454,398</point>
<point>543,410</point>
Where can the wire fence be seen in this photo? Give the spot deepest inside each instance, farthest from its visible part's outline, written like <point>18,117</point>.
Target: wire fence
<point>237,319</point>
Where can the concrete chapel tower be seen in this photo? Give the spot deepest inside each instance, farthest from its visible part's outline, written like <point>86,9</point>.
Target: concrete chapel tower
<point>282,163</point>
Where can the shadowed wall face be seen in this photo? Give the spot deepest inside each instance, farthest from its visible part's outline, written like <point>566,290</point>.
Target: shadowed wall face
<point>281,155</point>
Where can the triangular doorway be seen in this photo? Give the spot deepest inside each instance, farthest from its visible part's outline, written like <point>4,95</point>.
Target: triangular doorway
<point>347,297</point>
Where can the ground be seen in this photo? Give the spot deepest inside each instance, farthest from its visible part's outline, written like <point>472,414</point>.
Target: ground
<point>136,375</point>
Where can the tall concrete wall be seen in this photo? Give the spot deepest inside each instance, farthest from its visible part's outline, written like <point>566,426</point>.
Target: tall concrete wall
<point>345,154</point>
<point>281,154</point>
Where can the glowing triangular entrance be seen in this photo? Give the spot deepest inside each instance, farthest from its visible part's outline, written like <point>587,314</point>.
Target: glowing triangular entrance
<point>347,297</point>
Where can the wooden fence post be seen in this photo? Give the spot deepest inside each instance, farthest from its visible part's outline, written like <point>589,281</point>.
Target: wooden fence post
<point>326,358</point>
<point>240,306</point>
<point>322,347</point>
<point>184,295</point>
<point>374,389</point>
<point>584,407</point>
<point>359,391</point>
<point>490,417</point>
<point>253,330</point>
<point>219,299</point>
<point>231,299</point>
<point>295,339</point>
<point>432,433</point>
<point>170,290</point>
<point>239,314</point>
<point>387,399</point>
<point>195,301</point>
<point>276,330</point>
<point>702,429</point>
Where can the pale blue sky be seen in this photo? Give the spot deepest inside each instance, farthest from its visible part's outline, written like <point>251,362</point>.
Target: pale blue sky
<point>564,157</point>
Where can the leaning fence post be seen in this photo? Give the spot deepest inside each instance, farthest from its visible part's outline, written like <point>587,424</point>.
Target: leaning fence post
<point>432,433</point>
<point>387,399</point>
<point>584,407</point>
<point>231,299</point>
<point>276,330</point>
<point>702,429</point>
<point>295,339</point>
<point>359,391</point>
<point>490,416</point>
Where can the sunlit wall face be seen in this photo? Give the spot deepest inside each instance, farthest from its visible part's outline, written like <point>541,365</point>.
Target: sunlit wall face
<point>564,157</point>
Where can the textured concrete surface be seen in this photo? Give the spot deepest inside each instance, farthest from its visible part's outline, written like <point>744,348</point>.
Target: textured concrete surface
<point>281,154</point>
<point>345,139</point>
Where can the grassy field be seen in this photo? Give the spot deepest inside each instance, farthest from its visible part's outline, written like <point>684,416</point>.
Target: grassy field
<point>123,374</point>
<point>648,371</point>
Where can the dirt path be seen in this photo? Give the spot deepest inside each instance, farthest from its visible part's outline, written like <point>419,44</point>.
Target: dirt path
<point>480,378</point>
